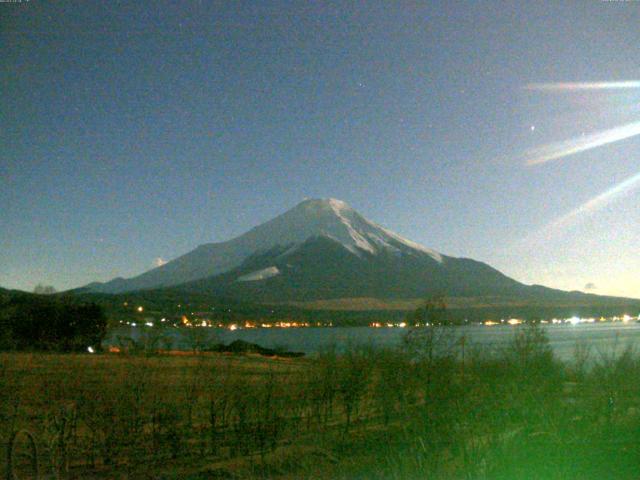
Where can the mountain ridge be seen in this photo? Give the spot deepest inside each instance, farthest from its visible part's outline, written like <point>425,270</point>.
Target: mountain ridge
<point>322,250</point>
<point>311,217</point>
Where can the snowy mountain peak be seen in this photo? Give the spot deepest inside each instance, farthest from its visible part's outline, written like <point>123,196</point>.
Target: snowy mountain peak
<point>323,204</point>
<point>336,219</point>
<point>311,218</point>
<point>315,207</point>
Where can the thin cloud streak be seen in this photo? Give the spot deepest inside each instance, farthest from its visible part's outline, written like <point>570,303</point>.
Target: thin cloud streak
<point>577,86</point>
<point>159,261</point>
<point>565,148</point>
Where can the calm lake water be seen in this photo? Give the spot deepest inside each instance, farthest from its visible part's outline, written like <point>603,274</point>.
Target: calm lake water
<point>601,338</point>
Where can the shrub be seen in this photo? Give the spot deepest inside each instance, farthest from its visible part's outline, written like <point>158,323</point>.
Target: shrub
<point>352,379</point>
<point>45,324</point>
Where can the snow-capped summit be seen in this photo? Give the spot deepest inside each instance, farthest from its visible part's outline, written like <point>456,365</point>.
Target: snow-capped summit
<point>312,218</point>
<point>331,218</point>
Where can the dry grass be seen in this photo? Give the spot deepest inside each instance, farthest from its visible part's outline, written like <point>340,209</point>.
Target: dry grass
<point>375,414</point>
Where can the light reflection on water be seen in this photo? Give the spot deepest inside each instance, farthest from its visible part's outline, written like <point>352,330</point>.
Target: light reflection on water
<point>601,338</point>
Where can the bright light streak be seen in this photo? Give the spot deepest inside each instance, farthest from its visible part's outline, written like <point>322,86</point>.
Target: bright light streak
<point>565,148</point>
<point>577,86</point>
<point>90,350</point>
<point>595,203</point>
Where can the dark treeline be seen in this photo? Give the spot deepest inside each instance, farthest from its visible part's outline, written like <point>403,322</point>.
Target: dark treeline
<point>37,322</point>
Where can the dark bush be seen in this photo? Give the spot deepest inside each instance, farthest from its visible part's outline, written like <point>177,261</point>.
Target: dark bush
<point>35,323</point>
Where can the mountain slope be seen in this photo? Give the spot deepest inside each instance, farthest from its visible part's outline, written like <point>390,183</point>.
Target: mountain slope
<point>323,268</point>
<point>328,217</point>
<point>323,250</point>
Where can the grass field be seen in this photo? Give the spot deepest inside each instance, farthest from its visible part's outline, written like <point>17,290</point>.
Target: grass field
<point>415,412</point>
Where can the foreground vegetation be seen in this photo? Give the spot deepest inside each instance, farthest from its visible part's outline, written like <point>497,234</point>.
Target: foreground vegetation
<point>420,411</point>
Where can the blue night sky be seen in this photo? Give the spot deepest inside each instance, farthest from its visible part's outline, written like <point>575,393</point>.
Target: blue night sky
<point>135,131</point>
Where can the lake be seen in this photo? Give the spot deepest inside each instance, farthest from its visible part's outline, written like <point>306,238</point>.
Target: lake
<point>602,338</point>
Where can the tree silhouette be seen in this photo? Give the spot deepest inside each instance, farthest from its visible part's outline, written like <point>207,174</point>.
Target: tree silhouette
<point>41,289</point>
<point>39,323</point>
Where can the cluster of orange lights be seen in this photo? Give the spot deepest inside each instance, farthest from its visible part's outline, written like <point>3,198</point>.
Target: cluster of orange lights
<point>291,324</point>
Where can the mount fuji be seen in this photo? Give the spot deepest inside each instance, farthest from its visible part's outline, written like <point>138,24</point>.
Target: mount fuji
<point>323,250</point>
